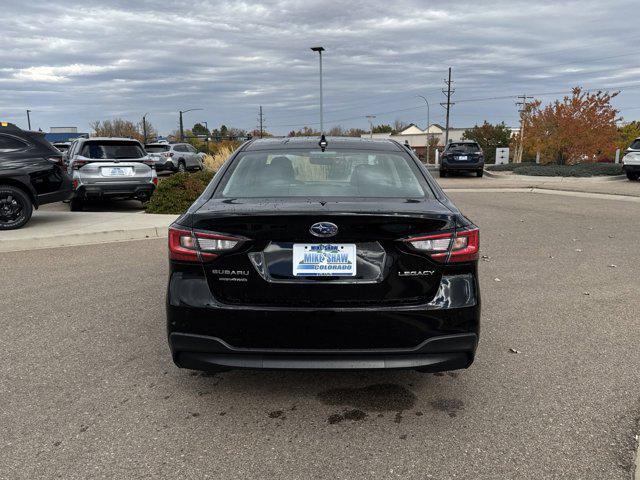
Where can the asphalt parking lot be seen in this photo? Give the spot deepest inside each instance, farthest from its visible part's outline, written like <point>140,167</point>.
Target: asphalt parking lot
<point>89,389</point>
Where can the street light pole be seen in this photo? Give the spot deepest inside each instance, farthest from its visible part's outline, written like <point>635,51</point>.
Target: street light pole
<point>370,118</point>
<point>29,119</point>
<point>320,50</point>
<point>428,125</point>
<point>181,125</point>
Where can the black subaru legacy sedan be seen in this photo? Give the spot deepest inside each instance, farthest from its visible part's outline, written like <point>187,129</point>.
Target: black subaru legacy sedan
<point>338,254</point>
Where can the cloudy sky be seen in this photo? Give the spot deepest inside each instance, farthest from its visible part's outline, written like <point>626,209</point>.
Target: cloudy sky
<point>74,62</point>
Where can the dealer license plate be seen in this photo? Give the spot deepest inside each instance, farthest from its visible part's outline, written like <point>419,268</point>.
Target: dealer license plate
<point>324,259</point>
<point>117,171</point>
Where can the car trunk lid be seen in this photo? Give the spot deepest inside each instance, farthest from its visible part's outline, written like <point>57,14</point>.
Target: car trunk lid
<point>262,272</point>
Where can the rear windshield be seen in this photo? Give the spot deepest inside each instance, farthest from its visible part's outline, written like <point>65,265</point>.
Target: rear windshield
<point>348,173</point>
<point>157,148</point>
<point>117,150</point>
<point>464,148</point>
<point>635,145</point>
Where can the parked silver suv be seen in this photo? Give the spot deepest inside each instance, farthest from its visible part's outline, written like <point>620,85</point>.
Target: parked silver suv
<point>114,168</point>
<point>175,157</point>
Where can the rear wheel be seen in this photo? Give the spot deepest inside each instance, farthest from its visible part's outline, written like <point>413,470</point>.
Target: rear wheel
<point>633,175</point>
<point>443,173</point>
<point>76,204</point>
<point>182,167</point>
<point>15,207</point>
<point>480,173</point>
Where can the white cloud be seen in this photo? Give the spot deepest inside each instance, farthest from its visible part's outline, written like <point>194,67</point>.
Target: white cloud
<point>73,62</point>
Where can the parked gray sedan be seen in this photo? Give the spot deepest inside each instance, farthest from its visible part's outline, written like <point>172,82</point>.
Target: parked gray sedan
<point>114,168</point>
<point>174,157</point>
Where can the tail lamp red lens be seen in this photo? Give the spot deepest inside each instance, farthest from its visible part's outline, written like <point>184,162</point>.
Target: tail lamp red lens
<point>193,246</point>
<point>453,247</point>
<point>78,164</point>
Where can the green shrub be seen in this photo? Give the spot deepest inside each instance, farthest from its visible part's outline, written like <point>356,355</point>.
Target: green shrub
<point>507,167</point>
<point>176,193</point>
<point>580,170</point>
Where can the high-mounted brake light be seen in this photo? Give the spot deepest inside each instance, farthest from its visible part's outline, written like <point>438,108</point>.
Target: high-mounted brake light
<point>188,246</point>
<point>449,247</point>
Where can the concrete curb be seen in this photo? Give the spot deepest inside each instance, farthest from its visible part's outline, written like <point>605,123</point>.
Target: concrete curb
<point>547,191</point>
<point>492,174</point>
<point>90,238</point>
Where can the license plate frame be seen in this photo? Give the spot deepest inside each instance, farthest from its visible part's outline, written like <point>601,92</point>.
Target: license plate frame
<point>324,259</point>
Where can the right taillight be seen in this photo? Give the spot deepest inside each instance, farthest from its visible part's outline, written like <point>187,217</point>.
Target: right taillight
<point>78,164</point>
<point>462,246</point>
<point>189,246</point>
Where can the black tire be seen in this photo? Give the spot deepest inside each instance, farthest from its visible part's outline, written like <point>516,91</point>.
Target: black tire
<point>633,176</point>
<point>76,204</point>
<point>182,167</point>
<point>443,173</point>
<point>16,207</point>
<point>480,173</point>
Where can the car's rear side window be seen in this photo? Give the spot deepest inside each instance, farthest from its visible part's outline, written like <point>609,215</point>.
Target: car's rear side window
<point>8,143</point>
<point>635,145</point>
<point>157,148</point>
<point>311,173</point>
<point>111,150</point>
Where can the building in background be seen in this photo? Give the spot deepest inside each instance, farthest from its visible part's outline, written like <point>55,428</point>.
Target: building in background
<point>417,137</point>
<point>63,134</point>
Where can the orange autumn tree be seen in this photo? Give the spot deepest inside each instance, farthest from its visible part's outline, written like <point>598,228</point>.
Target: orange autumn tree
<point>580,128</point>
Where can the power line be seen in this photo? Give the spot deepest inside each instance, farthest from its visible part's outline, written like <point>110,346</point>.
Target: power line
<point>479,99</point>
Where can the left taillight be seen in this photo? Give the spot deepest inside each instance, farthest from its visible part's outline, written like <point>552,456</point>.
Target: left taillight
<point>453,247</point>
<point>194,246</point>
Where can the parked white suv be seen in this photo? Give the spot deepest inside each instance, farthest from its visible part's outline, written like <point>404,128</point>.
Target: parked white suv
<point>114,168</point>
<point>175,157</point>
<point>631,160</point>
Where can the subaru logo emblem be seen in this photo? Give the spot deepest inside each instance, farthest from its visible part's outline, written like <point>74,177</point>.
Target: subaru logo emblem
<point>324,229</point>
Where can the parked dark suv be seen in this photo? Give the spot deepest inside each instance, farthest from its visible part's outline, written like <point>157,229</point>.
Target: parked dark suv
<point>463,156</point>
<point>31,174</point>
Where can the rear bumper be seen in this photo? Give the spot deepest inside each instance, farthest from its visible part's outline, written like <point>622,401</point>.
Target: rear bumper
<point>105,190</point>
<point>631,168</point>
<point>204,334</point>
<point>463,166</point>
<point>167,166</point>
<point>199,352</point>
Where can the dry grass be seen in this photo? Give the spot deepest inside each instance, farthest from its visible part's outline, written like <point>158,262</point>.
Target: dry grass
<point>215,161</point>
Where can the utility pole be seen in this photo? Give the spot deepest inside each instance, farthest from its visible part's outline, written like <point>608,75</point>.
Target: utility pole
<point>261,120</point>
<point>370,118</point>
<point>29,119</point>
<point>448,92</point>
<point>144,127</point>
<point>517,158</point>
